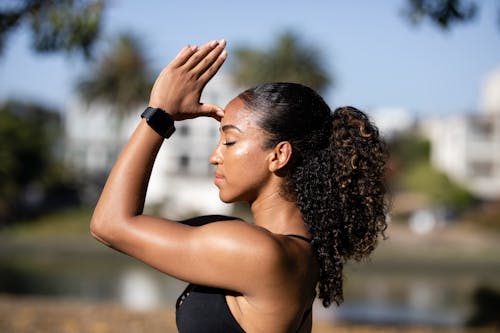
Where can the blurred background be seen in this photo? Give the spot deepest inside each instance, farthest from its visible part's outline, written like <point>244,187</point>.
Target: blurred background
<point>75,75</point>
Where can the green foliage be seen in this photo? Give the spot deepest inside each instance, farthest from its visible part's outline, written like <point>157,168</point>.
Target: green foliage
<point>56,25</point>
<point>67,222</point>
<point>121,77</point>
<point>75,25</point>
<point>444,13</point>
<point>409,148</point>
<point>424,178</point>
<point>28,168</point>
<point>410,154</point>
<point>23,145</point>
<point>289,60</point>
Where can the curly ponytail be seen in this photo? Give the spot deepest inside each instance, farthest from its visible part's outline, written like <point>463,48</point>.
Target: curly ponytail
<point>358,159</point>
<point>336,175</point>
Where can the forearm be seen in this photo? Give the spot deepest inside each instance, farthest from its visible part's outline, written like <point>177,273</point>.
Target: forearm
<point>177,89</point>
<point>124,194</point>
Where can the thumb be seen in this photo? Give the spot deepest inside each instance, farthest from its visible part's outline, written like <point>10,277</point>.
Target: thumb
<point>211,110</point>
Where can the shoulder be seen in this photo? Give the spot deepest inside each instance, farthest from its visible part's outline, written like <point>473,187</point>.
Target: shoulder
<point>241,235</point>
<point>234,254</point>
<point>244,244</point>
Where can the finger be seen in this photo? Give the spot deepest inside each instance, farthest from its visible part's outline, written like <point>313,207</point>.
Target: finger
<point>200,54</point>
<point>211,110</point>
<point>184,54</point>
<point>210,59</point>
<point>214,67</point>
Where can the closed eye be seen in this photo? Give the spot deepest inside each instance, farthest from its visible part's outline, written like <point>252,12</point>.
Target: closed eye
<point>229,143</point>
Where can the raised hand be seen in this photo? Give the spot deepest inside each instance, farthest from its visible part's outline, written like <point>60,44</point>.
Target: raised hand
<point>178,88</point>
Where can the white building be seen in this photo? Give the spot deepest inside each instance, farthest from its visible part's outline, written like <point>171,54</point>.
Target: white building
<point>182,180</point>
<point>467,147</point>
<point>490,97</point>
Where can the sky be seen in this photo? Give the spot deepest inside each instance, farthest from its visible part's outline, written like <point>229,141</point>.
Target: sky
<point>376,57</point>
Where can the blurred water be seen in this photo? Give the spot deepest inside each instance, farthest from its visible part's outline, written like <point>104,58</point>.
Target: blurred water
<point>392,295</point>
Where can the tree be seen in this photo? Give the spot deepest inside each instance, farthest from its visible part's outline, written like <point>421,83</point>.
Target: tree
<point>121,77</point>
<point>288,60</point>
<point>56,25</point>
<point>444,13</point>
<point>413,172</point>
<point>29,170</point>
<point>74,25</point>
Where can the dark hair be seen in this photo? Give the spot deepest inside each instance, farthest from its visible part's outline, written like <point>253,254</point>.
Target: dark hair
<point>336,174</point>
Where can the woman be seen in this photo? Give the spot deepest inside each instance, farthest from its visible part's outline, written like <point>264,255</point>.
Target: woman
<point>313,178</point>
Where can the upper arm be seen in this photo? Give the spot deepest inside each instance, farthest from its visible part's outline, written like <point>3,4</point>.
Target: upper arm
<point>230,254</point>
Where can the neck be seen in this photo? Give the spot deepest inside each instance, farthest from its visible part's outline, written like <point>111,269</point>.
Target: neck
<point>278,215</point>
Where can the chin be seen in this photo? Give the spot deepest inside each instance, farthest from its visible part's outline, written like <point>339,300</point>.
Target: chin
<point>229,199</point>
<point>224,198</point>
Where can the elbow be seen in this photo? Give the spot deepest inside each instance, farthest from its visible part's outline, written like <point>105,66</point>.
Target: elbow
<point>96,228</point>
<point>101,229</point>
<point>109,227</point>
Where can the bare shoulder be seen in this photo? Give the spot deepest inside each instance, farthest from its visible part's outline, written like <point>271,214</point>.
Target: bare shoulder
<point>244,236</point>
<point>250,246</point>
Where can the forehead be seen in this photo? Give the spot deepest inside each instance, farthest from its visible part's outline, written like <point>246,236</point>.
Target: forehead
<point>237,113</point>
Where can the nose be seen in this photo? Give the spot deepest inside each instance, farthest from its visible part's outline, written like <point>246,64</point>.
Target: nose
<point>216,157</point>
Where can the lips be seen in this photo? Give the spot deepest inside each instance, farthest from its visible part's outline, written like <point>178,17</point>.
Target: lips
<point>218,177</point>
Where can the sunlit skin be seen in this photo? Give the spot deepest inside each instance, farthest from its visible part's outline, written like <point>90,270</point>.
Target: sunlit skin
<point>273,276</point>
<point>242,172</point>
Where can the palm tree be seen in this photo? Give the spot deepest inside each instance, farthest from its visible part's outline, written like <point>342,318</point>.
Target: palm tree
<point>289,60</point>
<point>121,78</point>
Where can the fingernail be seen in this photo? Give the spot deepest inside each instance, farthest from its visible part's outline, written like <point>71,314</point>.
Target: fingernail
<point>222,42</point>
<point>194,47</point>
<point>223,54</point>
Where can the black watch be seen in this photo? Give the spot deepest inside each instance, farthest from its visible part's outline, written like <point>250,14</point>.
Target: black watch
<point>160,121</point>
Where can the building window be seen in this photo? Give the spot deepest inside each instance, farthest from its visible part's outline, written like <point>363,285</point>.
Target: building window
<point>481,169</point>
<point>184,130</point>
<point>481,130</point>
<point>184,163</point>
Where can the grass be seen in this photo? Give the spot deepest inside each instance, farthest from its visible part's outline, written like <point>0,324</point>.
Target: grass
<point>69,222</point>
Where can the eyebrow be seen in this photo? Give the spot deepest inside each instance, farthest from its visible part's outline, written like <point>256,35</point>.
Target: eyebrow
<point>228,127</point>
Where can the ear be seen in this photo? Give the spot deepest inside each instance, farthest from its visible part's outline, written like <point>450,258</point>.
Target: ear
<point>280,156</point>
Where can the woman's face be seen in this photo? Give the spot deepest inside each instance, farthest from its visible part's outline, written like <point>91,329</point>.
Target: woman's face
<point>242,172</point>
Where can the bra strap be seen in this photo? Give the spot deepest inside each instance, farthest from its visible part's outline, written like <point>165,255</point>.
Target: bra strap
<point>300,237</point>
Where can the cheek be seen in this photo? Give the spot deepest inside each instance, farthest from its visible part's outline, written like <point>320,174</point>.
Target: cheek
<point>245,164</point>
<point>241,153</point>
<point>246,173</point>
<point>247,157</point>
<point>236,155</point>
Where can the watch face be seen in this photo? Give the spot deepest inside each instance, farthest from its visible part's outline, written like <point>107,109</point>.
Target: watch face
<point>160,121</point>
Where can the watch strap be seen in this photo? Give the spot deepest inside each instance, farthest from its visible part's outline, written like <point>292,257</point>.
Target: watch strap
<point>160,121</point>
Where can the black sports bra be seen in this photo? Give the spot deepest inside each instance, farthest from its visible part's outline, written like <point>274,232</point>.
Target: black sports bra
<point>204,309</point>
<point>300,237</point>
